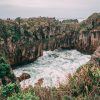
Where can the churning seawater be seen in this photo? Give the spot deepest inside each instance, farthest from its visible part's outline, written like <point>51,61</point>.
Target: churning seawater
<point>53,67</point>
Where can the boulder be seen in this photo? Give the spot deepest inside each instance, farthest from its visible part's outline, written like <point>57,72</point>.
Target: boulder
<point>24,76</point>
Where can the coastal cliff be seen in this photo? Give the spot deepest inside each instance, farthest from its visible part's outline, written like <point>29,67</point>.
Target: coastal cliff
<point>23,40</point>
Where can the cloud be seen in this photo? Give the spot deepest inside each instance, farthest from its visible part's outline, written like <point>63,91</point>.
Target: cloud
<point>50,3</point>
<point>60,8</point>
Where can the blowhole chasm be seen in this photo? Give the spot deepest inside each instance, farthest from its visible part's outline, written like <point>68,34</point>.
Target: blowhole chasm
<point>54,67</point>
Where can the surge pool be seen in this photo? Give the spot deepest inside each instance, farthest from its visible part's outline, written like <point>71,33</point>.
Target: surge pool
<point>54,67</point>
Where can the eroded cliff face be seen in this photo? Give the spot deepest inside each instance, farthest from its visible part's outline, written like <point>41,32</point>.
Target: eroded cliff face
<point>85,37</point>
<point>88,41</point>
<point>66,40</point>
<point>22,54</point>
<point>23,40</point>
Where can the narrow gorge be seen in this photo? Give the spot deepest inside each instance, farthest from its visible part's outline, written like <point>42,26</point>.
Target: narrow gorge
<point>23,40</point>
<point>46,49</point>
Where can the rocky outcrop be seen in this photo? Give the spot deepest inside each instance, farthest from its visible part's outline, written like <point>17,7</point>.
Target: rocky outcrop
<point>26,38</point>
<point>89,34</point>
<point>88,41</point>
<point>22,54</point>
<point>84,41</point>
<point>24,76</point>
<point>67,40</point>
<point>23,40</point>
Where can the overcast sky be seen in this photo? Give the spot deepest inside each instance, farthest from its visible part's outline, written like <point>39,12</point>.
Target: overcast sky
<point>50,8</point>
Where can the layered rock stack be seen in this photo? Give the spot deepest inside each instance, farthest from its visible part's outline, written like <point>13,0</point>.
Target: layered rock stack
<point>23,40</point>
<point>88,41</point>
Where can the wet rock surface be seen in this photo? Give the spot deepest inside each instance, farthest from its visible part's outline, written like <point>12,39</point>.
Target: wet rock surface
<point>24,76</point>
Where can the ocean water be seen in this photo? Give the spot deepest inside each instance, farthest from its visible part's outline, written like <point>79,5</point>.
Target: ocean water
<point>54,67</point>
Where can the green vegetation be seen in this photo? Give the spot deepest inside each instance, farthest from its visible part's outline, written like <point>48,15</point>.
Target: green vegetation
<point>4,68</point>
<point>8,84</point>
<point>5,72</point>
<point>92,22</point>
<point>83,85</point>
<point>19,38</point>
<point>12,92</point>
<point>24,95</point>
<point>9,89</point>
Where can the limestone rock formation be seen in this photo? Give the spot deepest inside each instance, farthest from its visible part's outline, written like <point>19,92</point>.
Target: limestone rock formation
<point>88,41</point>
<point>23,40</point>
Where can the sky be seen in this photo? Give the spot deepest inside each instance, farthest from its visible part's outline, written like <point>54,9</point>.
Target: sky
<point>48,8</point>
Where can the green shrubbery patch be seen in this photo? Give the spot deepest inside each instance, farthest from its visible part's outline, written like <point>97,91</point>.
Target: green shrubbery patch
<point>22,95</point>
<point>9,89</point>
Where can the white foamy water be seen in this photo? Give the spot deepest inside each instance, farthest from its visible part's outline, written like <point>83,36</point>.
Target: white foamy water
<point>53,66</point>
